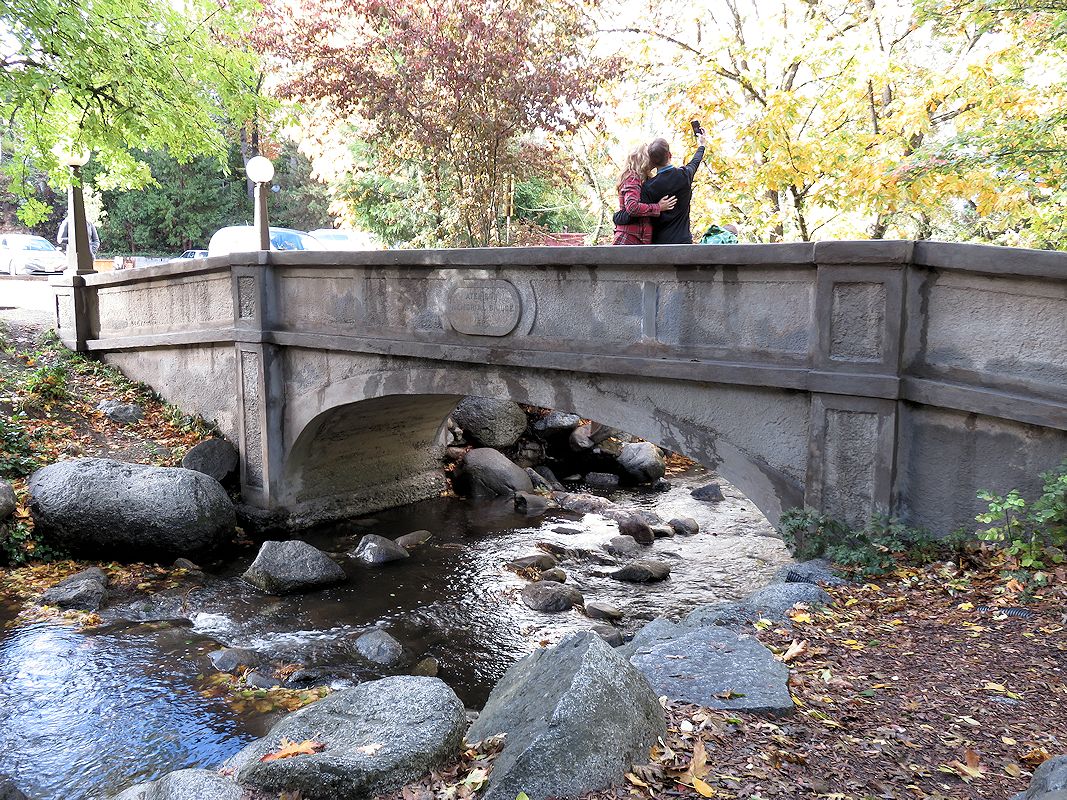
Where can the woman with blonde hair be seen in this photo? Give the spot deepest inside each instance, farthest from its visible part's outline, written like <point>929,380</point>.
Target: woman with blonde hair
<point>633,224</point>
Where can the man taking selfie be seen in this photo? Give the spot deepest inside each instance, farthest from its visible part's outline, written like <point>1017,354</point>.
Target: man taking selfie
<point>672,227</point>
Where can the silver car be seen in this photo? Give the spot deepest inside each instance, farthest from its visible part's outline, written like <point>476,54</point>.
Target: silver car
<point>23,254</point>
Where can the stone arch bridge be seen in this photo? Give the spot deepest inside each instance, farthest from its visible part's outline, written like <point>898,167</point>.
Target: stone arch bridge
<point>853,377</point>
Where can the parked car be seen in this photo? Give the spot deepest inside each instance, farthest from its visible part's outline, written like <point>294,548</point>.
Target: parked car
<point>194,254</point>
<point>346,240</point>
<point>23,254</point>
<point>245,239</point>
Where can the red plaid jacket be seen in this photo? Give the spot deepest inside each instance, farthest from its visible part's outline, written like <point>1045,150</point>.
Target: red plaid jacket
<point>639,231</point>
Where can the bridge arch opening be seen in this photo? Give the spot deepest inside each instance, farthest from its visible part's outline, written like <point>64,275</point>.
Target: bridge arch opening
<point>376,441</point>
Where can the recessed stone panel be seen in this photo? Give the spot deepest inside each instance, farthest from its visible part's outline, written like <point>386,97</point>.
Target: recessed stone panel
<point>857,323</point>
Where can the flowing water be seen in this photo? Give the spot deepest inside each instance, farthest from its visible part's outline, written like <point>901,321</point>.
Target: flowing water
<point>84,715</point>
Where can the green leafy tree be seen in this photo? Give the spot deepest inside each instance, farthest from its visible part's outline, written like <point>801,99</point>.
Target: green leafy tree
<point>115,76</point>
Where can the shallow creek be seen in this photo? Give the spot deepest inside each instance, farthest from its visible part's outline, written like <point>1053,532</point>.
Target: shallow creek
<point>84,715</point>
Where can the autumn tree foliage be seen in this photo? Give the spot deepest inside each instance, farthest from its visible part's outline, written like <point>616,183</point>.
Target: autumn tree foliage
<point>832,118</point>
<point>469,91</point>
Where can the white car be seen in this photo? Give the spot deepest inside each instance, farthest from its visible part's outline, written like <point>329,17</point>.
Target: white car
<point>346,240</point>
<point>245,239</point>
<point>23,254</point>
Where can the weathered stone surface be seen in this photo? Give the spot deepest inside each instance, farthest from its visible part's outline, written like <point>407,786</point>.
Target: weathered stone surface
<point>100,507</point>
<point>1049,780</point>
<point>603,611</point>
<point>622,546</point>
<point>685,526</point>
<point>555,574</point>
<point>381,648</point>
<point>8,789</point>
<point>85,590</point>
<point>283,567</point>
<point>717,668</point>
<point>123,413</point>
<point>489,473</point>
<point>602,480</point>
<point>576,717</point>
<point>185,784</point>
<point>539,561</point>
<point>548,596</point>
<point>231,659</point>
<point>215,457</point>
<point>642,461</point>
<point>413,539</point>
<point>375,549</point>
<point>8,501</point>
<point>533,505</point>
<point>815,571</point>
<point>567,530</point>
<point>643,570</point>
<point>428,666</point>
<point>662,531</point>
<point>555,423</point>
<point>489,422</point>
<point>417,721</point>
<point>770,602</point>
<point>656,631</point>
<point>710,493</point>
<point>637,528</point>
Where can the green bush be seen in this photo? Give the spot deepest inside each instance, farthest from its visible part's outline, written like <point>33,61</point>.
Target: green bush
<point>47,383</point>
<point>876,549</point>
<point>16,456</point>
<point>1035,534</point>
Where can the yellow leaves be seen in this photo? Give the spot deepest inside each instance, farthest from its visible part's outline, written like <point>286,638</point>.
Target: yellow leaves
<point>800,615</point>
<point>697,769</point>
<point>969,769</point>
<point>1000,688</point>
<point>966,606</point>
<point>288,749</point>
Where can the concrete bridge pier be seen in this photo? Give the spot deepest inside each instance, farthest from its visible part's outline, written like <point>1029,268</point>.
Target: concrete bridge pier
<point>852,377</point>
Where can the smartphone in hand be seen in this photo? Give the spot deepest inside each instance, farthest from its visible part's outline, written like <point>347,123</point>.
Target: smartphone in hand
<point>697,130</point>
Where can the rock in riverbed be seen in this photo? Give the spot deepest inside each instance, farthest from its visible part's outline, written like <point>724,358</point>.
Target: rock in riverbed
<point>99,507</point>
<point>85,591</point>
<point>642,461</point>
<point>214,457</point>
<point>185,784</point>
<point>549,596</point>
<point>576,717</point>
<point>413,539</point>
<point>379,647</point>
<point>489,422</point>
<point>375,549</point>
<point>487,473</point>
<point>283,567</point>
<point>644,570</point>
<point>376,737</point>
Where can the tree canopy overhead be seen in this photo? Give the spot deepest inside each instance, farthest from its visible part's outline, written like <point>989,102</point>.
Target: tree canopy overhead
<point>112,76</point>
<point>462,88</point>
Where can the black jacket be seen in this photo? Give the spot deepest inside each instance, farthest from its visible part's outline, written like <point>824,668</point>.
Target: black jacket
<point>672,227</point>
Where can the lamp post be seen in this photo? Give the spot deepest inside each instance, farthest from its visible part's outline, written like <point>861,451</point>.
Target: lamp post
<point>79,254</point>
<point>260,171</point>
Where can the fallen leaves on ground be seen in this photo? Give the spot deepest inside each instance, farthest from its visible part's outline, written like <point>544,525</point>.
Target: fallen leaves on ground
<point>898,695</point>
<point>287,749</point>
<point>460,780</point>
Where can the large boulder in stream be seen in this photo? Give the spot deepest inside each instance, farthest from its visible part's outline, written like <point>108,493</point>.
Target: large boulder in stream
<point>376,737</point>
<point>185,784</point>
<point>643,462</point>
<point>284,567</point>
<point>215,457</point>
<point>489,422</point>
<point>102,508</point>
<point>576,715</point>
<point>487,473</point>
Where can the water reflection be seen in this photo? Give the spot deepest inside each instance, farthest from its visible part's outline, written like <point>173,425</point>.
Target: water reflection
<point>83,714</point>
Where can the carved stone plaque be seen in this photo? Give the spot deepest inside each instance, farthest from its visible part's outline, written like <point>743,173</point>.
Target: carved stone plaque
<point>489,307</point>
